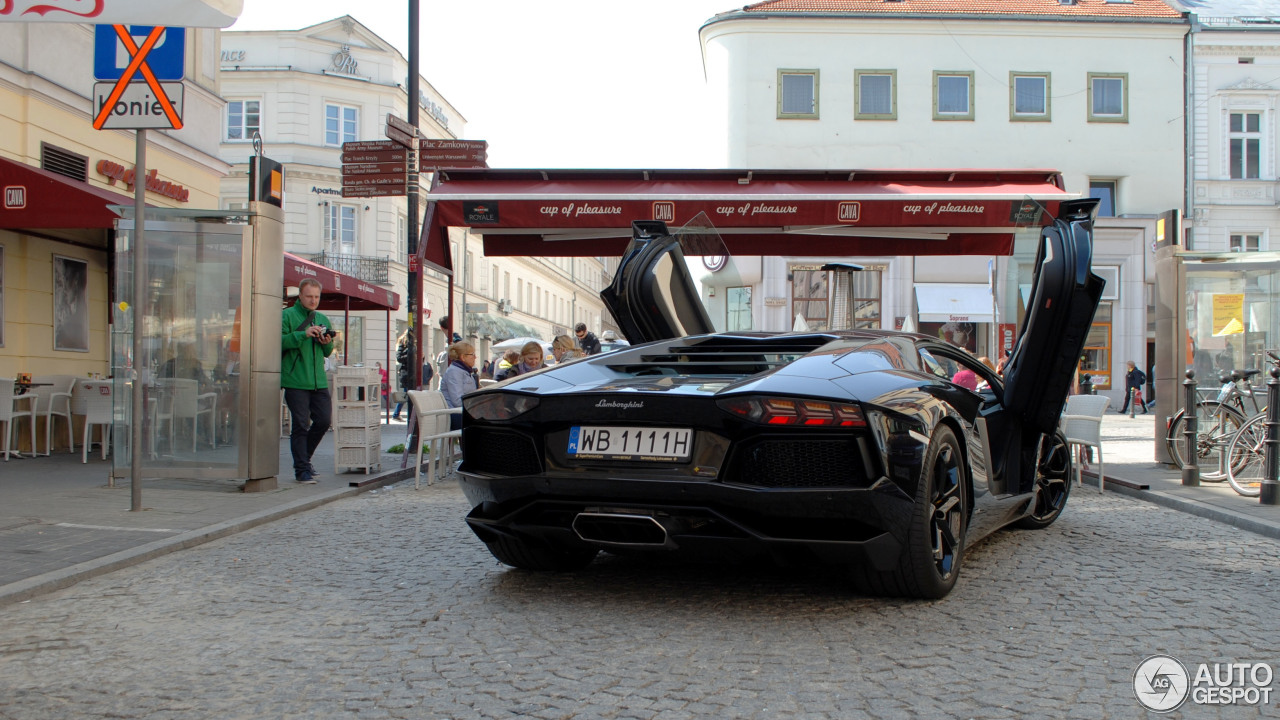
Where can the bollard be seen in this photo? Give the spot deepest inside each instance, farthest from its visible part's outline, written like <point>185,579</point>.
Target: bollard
<point>1190,471</point>
<point>1269,493</point>
<point>1133,395</point>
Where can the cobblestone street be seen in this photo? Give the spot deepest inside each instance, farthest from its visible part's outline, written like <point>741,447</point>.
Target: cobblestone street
<point>385,605</point>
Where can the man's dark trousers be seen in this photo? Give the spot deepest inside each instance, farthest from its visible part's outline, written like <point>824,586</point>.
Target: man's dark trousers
<point>310,411</point>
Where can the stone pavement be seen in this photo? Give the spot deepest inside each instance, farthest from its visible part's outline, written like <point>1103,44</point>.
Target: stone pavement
<point>61,522</point>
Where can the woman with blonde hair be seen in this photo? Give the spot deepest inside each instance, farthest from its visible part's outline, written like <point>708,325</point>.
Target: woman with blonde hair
<point>530,359</point>
<point>459,378</point>
<point>564,348</point>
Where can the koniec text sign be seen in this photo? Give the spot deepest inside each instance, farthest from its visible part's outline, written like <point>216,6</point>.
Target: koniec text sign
<point>130,101</point>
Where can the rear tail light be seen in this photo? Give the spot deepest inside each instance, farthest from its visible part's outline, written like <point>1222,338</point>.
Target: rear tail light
<point>498,406</point>
<point>794,411</point>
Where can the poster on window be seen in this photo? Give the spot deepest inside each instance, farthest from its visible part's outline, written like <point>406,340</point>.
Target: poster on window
<point>1,296</point>
<point>70,304</point>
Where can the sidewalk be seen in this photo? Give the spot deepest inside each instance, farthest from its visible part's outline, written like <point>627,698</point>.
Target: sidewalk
<point>61,523</point>
<point>1131,469</point>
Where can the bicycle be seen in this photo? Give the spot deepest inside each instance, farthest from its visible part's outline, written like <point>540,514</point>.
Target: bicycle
<point>1247,451</point>
<point>1218,421</point>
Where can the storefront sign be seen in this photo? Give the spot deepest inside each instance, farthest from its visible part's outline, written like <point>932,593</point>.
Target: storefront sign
<point>15,197</point>
<point>115,171</point>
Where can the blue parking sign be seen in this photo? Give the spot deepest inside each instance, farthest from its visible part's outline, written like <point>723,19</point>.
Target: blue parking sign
<point>167,58</point>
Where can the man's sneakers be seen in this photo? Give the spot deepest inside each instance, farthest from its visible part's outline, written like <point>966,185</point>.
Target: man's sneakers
<point>305,478</point>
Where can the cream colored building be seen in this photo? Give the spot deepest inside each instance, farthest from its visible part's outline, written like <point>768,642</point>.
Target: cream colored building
<point>1093,90</point>
<point>49,149</point>
<point>306,92</point>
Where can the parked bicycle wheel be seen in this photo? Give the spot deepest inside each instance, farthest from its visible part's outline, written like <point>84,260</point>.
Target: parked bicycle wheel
<point>1247,457</point>
<point>1216,424</point>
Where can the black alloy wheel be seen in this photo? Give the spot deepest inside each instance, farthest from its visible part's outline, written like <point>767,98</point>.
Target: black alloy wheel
<point>929,563</point>
<point>1053,483</point>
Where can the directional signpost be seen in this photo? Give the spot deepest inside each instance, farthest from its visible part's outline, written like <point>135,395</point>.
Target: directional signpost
<point>375,169</point>
<point>442,154</point>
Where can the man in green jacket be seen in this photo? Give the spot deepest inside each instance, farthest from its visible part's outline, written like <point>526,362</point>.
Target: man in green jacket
<point>306,340</point>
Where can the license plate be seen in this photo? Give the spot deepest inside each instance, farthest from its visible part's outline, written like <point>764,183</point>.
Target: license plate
<point>630,443</point>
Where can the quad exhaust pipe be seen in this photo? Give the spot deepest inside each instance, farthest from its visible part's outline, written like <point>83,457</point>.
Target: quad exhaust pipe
<point>621,529</point>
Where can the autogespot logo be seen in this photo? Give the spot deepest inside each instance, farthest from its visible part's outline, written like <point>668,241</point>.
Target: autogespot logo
<point>1160,683</point>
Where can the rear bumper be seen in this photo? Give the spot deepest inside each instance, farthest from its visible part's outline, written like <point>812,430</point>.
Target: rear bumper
<point>701,520</point>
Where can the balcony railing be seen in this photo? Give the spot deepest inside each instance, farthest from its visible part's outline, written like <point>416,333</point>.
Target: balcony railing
<point>361,267</point>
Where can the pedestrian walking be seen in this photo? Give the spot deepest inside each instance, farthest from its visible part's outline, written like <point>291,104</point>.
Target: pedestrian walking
<point>404,358</point>
<point>1133,381</point>
<point>307,338</point>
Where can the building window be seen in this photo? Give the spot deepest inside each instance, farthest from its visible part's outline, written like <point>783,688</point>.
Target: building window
<point>952,95</point>
<point>798,94</point>
<point>1104,190</point>
<point>864,299</point>
<point>1246,242</point>
<point>738,309</point>
<point>519,301</point>
<point>493,290</point>
<point>340,124</point>
<point>244,118</point>
<point>1097,348</point>
<point>1108,97</point>
<point>1246,145</point>
<point>875,94</point>
<point>809,293</point>
<point>1029,97</point>
<point>340,229</point>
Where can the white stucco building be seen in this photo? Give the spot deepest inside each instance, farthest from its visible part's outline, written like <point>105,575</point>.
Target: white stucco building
<point>1091,88</point>
<point>308,91</point>
<point>1233,102</point>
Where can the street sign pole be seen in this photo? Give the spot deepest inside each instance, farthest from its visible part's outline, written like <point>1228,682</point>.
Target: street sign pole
<point>415,274</point>
<point>139,297</point>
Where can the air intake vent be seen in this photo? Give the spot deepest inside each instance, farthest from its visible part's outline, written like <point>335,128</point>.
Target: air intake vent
<point>64,162</point>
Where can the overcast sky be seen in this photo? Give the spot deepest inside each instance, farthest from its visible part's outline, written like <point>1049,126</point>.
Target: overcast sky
<point>557,83</point>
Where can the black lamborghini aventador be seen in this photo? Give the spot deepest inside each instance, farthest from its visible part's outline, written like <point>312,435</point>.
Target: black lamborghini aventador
<point>849,448</point>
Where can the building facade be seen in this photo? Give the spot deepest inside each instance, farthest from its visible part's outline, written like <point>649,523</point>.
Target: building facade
<point>1092,88</point>
<point>56,269</point>
<point>306,92</point>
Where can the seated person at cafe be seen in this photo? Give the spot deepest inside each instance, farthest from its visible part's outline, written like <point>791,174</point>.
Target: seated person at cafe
<point>184,365</point>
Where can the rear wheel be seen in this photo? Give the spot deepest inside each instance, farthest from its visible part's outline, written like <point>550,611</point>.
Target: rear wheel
<point>530,556</point>
<point>1053,483</point>
<point>1216,424</point>
<point>930,563</point>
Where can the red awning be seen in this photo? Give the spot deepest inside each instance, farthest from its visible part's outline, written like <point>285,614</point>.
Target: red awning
<point>35,198</point>
<point>339,288</point>
<point>757,212</point>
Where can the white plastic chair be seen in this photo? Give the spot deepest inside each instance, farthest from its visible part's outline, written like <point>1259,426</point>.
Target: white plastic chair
<point>92,399</point>
<point>182,400</point>
<point>433,427</point>
<point>1081,423</point>
<point>12,408</point>
<point>54,400</point>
